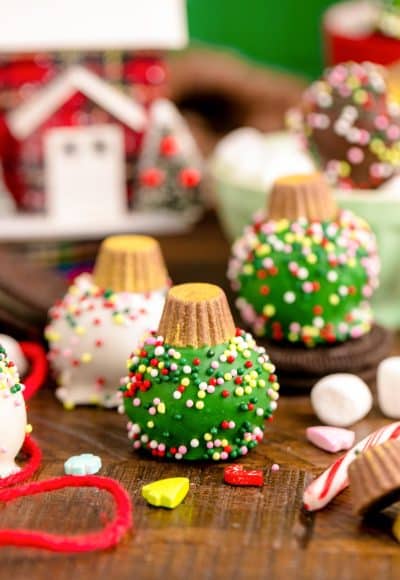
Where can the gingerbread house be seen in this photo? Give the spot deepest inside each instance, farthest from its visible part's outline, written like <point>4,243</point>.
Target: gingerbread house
<point>77,140</point>
<point>74,78</point>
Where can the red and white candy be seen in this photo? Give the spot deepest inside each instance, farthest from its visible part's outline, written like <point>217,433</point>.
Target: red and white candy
<point>335,479</point>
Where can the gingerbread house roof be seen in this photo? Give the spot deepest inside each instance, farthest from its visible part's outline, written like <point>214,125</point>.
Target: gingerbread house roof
<point>42,25</point>
<point>28,116</point>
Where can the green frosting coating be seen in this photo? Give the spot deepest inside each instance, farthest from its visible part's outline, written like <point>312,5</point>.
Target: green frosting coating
<point>304,281</point>
<point>199,403</point>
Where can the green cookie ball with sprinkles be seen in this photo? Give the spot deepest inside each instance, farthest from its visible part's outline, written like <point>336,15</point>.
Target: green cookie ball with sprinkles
<point>306,272</point>
<point>198,388</point>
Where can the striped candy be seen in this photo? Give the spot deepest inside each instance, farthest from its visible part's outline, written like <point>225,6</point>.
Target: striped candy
<point>334,480</point>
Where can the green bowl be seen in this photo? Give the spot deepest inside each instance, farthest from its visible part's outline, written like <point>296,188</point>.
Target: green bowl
<point>237,203</point>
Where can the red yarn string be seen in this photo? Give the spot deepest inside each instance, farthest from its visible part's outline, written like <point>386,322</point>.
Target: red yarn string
<point>36,356</point>
<point>109,536</point>
<point>32,449</point>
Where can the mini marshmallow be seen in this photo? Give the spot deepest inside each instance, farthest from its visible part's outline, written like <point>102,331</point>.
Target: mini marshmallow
<point>341,399</point>
<point>332,439</point>
<point>388,386</point>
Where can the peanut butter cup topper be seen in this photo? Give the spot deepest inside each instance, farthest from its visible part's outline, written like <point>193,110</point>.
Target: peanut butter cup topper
<point>302,196</point>
<point>198,388</point>
<point>103,316</point>
<point>196,315</point>
<point>130,264</point>
<point>305,270</point>
<point>375,478</point>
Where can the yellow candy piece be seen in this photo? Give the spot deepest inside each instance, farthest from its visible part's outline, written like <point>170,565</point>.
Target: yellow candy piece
<point>167,493</point>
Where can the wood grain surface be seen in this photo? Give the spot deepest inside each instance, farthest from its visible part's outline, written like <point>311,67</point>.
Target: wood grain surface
<point>219,531</point>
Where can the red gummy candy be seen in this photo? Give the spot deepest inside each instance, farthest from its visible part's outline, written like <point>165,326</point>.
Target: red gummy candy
<point>237,475</point>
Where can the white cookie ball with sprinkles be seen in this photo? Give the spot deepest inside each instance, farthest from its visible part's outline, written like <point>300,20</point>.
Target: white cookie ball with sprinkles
<point>93,328</point>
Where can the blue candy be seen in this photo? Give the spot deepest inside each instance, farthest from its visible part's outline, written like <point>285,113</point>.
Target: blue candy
<point>85,464</point>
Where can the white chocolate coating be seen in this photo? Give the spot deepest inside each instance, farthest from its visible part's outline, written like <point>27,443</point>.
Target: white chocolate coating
<point>14,353</point>
<point>13,422</point>
<point>91,336</point>
<point>341,399</point>
<point>388,386</point>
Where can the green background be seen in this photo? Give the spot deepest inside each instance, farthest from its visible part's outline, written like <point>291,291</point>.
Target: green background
<point>282,33</point>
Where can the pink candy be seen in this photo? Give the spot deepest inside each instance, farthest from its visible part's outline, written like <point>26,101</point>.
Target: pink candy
<point>330,439</point>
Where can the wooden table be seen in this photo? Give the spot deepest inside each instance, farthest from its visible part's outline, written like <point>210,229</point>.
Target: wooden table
<point>219,531</point>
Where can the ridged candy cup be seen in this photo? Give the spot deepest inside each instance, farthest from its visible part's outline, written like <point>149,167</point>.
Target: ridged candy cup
<point>198,388</point>
<point>375,478</point>
<point>103,316</point>
<point>13,421</point>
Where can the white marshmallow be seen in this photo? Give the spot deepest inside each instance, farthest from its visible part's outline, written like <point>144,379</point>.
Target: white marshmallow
<point>341,399</point>
<point>388,386</point>
<point>14,353</point>
<point>252,159</point>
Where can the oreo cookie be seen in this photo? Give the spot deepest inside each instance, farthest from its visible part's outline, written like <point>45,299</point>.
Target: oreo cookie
<point>299,368</point>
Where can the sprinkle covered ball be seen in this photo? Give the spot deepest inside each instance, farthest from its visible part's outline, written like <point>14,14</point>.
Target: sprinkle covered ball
<point>198,388</point>
<point>305,272</point>
<point>93,328</point>
<point>351,128</point>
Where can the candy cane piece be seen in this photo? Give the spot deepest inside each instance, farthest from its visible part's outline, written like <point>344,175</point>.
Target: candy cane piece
<point>335,479</point>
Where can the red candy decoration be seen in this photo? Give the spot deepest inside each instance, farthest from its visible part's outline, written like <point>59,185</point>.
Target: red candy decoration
<point>152,177</point>
<point>189,177</point>
<point>169,146</point>
<point>237,475</point>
